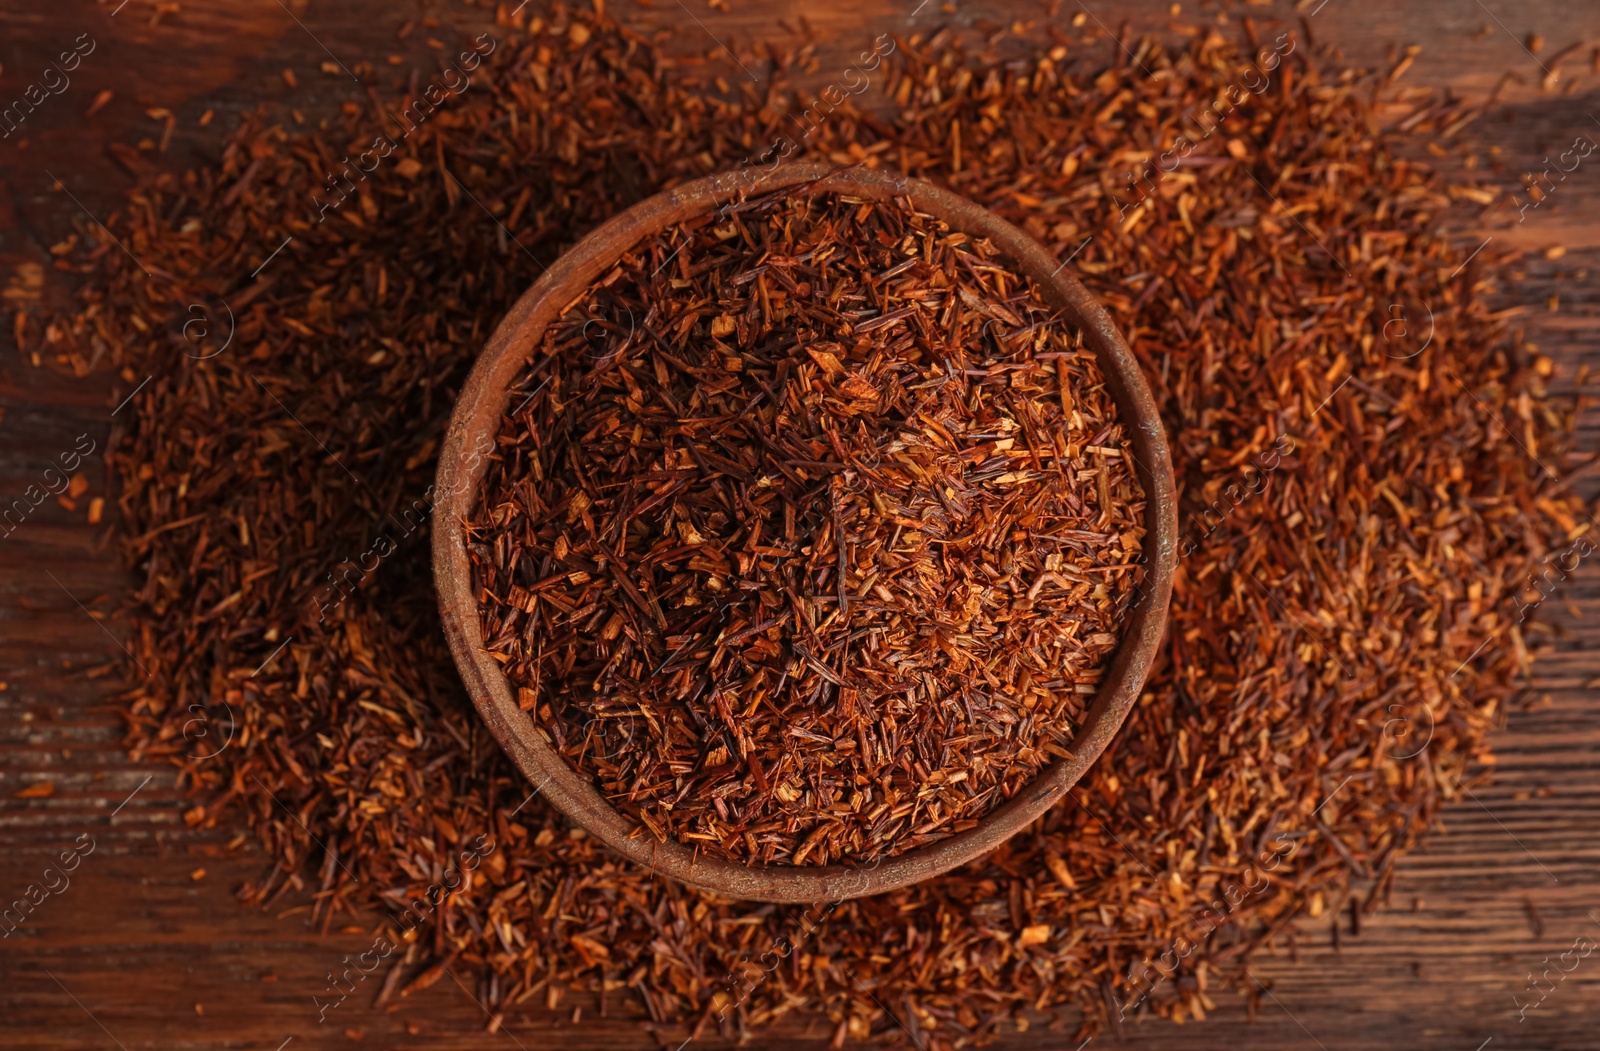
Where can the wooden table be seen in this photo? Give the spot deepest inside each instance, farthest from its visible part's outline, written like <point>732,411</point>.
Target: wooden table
<point>147,947</point>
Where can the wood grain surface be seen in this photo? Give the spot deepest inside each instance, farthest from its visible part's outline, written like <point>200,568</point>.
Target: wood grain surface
<point>147,947</point>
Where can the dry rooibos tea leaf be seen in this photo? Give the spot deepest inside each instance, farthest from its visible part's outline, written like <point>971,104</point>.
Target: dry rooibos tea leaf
<point>812,533</point>
<point>1379,565</point>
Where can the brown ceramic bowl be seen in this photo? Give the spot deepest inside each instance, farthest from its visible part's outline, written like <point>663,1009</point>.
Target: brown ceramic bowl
<point>478,416</point>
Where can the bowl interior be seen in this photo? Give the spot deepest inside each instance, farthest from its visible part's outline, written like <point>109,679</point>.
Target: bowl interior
<point>477,420</point>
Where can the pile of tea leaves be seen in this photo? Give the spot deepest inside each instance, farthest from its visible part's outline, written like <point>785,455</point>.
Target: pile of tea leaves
<point>1379,518</point>
<point>812,538</point>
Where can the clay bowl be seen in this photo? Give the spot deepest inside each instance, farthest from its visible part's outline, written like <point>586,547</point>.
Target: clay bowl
<point>477,419</point>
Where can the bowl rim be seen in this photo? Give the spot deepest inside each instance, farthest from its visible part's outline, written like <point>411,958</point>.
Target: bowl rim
<point>479,414</point>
